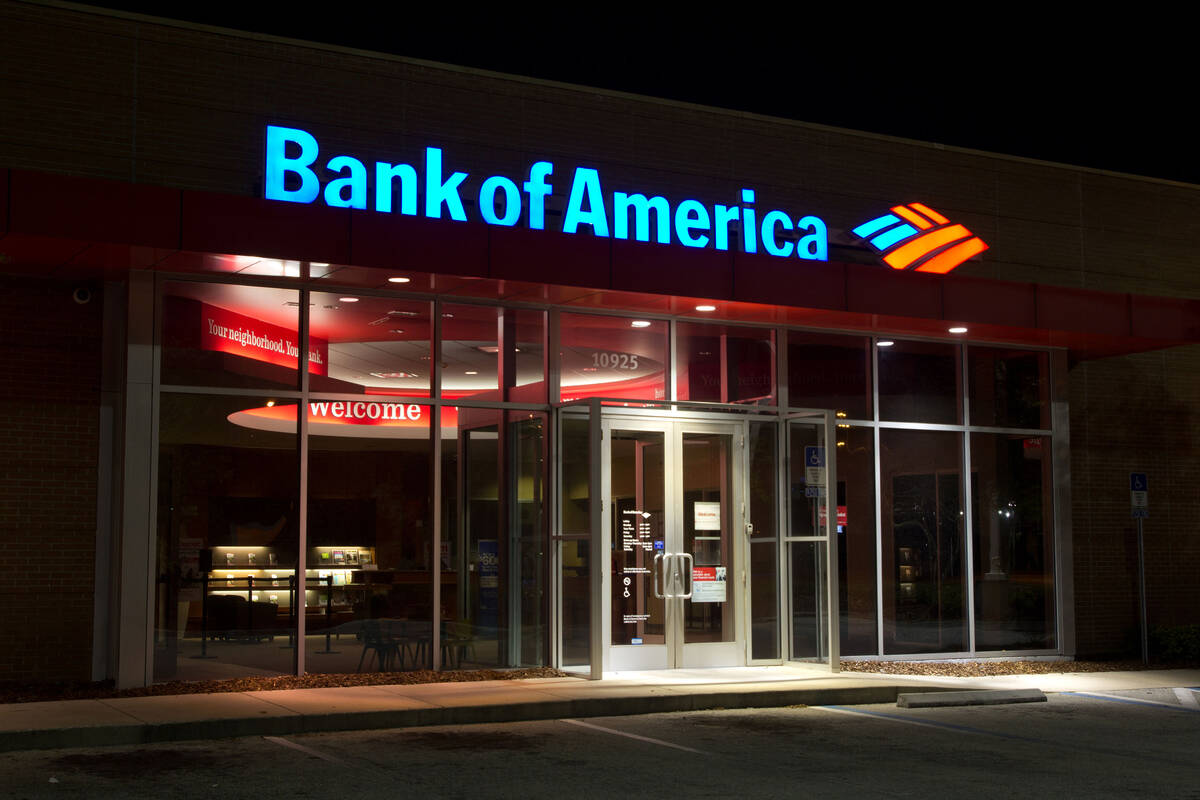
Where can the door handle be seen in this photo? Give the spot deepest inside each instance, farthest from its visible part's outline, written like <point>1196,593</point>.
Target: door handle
<point>656,574</point>
<point>690,563</point>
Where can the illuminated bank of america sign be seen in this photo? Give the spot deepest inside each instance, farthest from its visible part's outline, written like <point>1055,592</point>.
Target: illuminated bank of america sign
<point>295,169</point>
<point>919,238</point>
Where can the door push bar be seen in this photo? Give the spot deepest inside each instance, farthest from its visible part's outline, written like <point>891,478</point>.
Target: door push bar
<point>669,567</point>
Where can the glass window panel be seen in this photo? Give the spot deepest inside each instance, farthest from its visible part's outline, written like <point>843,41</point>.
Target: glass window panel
<point>918,382</point>
<point>830,371</point>
<point>924,598</point>
<point>614,357</point>
<point>375,345</point>
<point>576,602</point>
<point>725,363</point>
<point>470,351</point>
<point>764,479</point>
<point>806,507</point>
<point>764,599</point>
<point>529,532</point>
<point>809,631</point>
<point>764,570</point>
<point>494,529</point>
<point>1013,543</point>
<point>576,474</point>
<point>856,541</point>
<point>214,334</point>
<point>525,336</point>
<point>228,527</point>
<point>368,585</point>
<point>1009,388</point>
<point>575,553</point>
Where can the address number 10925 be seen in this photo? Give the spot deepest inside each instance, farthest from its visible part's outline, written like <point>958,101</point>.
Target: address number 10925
<point>615,360</point>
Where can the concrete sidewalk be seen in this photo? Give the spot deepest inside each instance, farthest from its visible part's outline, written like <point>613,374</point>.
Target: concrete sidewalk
<point>138,720</point>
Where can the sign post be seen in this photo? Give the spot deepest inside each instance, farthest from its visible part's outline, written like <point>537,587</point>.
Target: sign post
<point>1139,505</point>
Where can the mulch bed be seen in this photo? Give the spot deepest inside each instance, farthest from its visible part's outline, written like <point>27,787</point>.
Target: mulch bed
<point>975,669</point>
<point>32,692</point>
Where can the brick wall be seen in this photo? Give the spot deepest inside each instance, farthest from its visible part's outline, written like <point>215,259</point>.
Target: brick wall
<point>1135,414</point>
<point>50,363</point>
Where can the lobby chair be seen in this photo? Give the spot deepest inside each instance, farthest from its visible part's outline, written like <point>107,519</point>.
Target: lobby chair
<point>383,647</point>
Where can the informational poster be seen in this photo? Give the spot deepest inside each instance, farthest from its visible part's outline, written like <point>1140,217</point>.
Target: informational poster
<point>489,583</point>
<point>707,516</point>
<point>708,584</point>
<point>841,515</point>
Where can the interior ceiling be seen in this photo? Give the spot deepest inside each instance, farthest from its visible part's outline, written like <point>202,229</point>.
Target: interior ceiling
<point>341,322</point>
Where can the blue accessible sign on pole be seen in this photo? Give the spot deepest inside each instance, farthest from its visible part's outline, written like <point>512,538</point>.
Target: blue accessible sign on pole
<point>1139,491</point>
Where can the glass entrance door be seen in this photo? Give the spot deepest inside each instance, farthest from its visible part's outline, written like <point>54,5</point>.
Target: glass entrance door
<point>672,507</point>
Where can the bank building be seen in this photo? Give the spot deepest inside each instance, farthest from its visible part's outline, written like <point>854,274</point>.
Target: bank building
<point>320,360</point>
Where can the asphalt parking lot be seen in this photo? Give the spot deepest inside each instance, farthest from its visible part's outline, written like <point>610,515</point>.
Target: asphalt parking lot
<point>1107,744</point>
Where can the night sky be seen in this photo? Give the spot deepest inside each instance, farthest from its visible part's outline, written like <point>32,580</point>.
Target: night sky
<point>1112,97</point>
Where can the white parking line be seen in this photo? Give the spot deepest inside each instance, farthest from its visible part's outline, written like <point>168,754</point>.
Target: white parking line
<point>875,714</point>
<point>582,724</point>
<point>1135,701</point>
<point>306,750</point>
<point>925,723</point>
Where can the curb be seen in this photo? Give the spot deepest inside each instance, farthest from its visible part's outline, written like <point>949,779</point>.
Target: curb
<point>151,733</point>
<point>977,697</point>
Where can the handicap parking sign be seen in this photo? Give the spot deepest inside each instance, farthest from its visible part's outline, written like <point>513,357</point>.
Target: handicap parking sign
<point>814,466</point>
<point>1139,495</point>
<point>814,456</point>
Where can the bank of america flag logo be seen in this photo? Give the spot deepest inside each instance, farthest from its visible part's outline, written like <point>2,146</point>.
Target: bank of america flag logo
<point>917,237</point>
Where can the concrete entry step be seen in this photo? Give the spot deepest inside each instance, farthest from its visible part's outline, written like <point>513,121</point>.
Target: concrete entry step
<point>979,697</point>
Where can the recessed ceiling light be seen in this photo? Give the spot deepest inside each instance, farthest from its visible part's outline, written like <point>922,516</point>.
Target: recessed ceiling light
<point>396,330</point>
<point>884,343</point>
<point>447,315</point>
<point>471,372</point>
<point>958,329</point>
<point>399,280</point>
<point>318,264</point>
<point>640,323</point>
<point>706,307</point>
<point>347,299</point>
<point>394,375</point>
<point>270,404</point>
